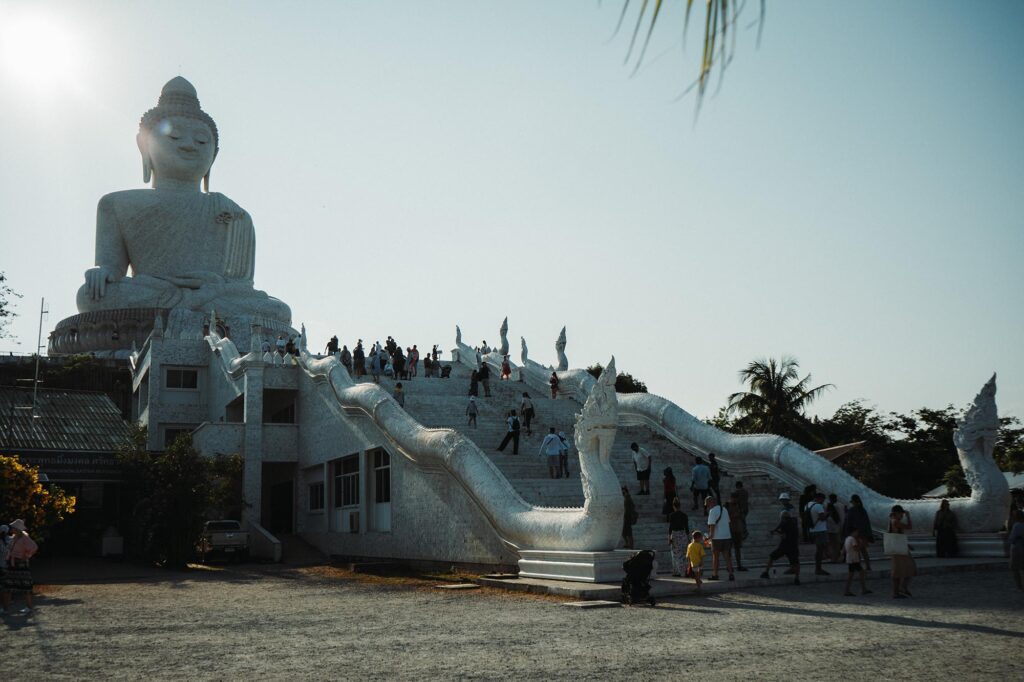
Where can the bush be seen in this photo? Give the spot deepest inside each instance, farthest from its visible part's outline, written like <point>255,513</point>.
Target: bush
<point>22,496</point>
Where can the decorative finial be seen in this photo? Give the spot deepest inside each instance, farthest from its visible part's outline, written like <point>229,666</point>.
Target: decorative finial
<point>563,362</point>
<point>980,421</point>
<point>503,331</point>
<point>458,336</point>
<point>524,353</point>
<point>302,339</point>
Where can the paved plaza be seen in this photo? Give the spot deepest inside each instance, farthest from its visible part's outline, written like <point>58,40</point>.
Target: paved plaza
<point>321,623</point>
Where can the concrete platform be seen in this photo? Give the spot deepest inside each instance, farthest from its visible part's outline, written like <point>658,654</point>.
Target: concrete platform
<point>668,586</point>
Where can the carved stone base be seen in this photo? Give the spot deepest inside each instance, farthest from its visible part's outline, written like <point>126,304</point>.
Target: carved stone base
<point>583,567</point>
<point>111,333</point>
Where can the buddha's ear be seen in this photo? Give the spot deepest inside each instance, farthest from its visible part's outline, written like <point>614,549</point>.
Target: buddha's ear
<point>206,178</point>
<point>147,166</point>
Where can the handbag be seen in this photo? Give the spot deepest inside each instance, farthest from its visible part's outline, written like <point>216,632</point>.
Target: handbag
<point>895,544</point>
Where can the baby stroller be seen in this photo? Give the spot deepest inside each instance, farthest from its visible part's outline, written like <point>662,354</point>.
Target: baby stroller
<point>636,586</point>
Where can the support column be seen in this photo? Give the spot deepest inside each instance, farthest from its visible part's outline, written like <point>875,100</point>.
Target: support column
<point>252,476</point>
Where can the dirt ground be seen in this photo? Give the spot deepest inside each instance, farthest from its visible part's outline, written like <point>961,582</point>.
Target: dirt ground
<point>325,624</point>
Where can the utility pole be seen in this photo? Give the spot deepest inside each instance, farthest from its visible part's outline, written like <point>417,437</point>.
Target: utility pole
<point>39,346</point>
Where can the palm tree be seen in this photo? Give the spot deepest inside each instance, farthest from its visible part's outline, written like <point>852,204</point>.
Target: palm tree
<point>776,400</point>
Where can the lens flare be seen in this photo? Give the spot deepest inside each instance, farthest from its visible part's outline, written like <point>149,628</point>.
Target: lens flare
<point>37,50</point>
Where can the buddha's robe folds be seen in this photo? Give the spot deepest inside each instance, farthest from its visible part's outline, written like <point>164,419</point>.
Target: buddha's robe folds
<point>185,249</point>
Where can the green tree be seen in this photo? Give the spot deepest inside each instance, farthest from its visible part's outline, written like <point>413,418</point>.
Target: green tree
<point>22,496</point>
<point>624,381</point>
<point>174,492</point>
<point>7,294</point>
<point>776,401</point>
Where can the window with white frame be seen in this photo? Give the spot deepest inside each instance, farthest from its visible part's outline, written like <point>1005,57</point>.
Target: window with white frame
<point>381,477</point>
<point>346,482</point>
<point>316,496</point>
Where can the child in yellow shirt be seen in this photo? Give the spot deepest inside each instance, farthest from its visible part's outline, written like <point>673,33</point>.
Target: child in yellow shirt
<point>695,555</point>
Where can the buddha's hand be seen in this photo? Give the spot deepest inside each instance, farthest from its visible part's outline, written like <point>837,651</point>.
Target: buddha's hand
<point>96,279</point>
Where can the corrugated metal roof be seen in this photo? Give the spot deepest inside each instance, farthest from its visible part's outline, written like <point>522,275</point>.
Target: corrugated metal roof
<point>61,420</point>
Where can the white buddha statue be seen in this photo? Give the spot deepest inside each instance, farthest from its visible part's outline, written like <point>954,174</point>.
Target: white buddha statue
<point>187,248</point>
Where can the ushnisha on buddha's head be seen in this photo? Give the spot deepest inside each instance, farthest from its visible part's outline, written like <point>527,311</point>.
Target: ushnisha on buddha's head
<point>177,139</point>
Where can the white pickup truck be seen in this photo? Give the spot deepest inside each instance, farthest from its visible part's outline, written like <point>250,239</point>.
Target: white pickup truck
<point>224,538</point>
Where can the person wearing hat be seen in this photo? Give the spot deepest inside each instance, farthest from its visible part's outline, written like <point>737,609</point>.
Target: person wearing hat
<point>18,577</point>
<point>789,540</point>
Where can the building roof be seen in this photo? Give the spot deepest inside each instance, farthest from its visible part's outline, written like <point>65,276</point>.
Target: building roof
<point>1015,481</point>
<point>834,453</point>
<point>62,419</point>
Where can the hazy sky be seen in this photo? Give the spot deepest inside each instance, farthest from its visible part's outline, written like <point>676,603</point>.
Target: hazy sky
<point>850,196</point>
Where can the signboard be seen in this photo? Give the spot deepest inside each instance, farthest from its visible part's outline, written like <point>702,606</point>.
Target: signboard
<point>73,466</point>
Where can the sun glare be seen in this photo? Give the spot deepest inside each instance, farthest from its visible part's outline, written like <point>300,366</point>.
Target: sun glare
<point>37,50</point>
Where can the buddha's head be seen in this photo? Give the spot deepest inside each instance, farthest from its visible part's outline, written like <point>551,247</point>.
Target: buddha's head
<point>177,139</point>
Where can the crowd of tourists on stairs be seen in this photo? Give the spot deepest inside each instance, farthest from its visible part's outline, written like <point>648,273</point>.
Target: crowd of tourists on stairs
<point>385,359</point>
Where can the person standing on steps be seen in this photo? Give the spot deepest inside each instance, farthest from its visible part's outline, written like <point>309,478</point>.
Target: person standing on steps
<point>553,382</point>
<point>399,394</point>
<point>506,369</point>
<point>484,348</point>
<point>737,528</point>
<point>484,374</point>
<point>742,498</point>
<point>346,359</point>
<point>788,531</point>
<point>720,536</point>
<point>512,434</point>
<point>818,519</point>
<point>678,537</point>
<point>471,412</point>
<point>551,447</point>
<point>834,523</point>
<point>629,517</point>
<point>642,464</point>
<point>563,456</point>
<point>526,409</point>
<point>359,359</point>
<point>413,357</point>
<point>332,345</point>
<point>903,565</point>
<point>716,476</point>
<point>668,484</point>
<point>474,377</point>
<point>803,506</point>
<point>700,482</point>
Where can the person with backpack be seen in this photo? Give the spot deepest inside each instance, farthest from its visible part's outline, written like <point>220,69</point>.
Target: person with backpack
<point>551,447</point>
<point>818,531</point>
<point>17,576</point>
<point>512,434</point>
<point>563,456</point>
<point>720,534</point>
<point>526,409</point>
<point>788,530</point>
<point>471,412</point>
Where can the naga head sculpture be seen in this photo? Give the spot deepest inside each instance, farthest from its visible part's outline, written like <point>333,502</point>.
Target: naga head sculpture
<point>524,353</point>
<point>980,422</point>
<point>458,336</point>
<point>597,423</point>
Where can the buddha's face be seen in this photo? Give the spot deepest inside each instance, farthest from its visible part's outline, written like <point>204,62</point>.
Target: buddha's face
<point>180,148</point>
